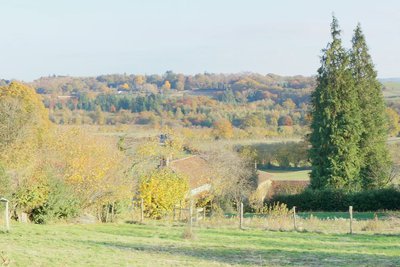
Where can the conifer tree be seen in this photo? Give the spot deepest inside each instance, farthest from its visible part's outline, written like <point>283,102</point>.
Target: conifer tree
<point>336,123</point>
<point>376,162</point>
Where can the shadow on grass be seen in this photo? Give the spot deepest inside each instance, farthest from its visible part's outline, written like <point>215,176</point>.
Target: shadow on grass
<point>268,256</point>
<point>134,222</point>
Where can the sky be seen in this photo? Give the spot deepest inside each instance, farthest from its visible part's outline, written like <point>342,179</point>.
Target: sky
<point>94,37</point>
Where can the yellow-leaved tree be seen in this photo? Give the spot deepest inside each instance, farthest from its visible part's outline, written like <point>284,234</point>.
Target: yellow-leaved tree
<point>24,127</point>
<point>161,190</point>
<point>166,85</point>
<point>94,167</point>
<point>393,121</point>
<point>24,123</point>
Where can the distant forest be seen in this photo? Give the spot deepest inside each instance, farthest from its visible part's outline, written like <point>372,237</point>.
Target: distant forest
<point>279,104</point>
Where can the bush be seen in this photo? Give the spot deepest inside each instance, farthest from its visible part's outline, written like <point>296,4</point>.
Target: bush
<point>275,210</point>
<point>60,204</point>
<point>338,200</point>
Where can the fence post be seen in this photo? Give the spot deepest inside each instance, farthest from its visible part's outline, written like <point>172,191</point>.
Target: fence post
<point>190,216</point>
<point>7,218</point>
<point>6,215</point>
<point>351,219</point>
<point>294,218</point>
<point>180,210</point>
<point>112,211</point>
<point>204,213</point>
<point>141,210</point>
<point>241,216</point>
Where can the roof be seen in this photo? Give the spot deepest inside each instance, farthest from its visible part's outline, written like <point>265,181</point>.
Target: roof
<point>195,167</point>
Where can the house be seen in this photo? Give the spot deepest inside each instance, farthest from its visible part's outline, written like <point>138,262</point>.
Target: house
<point>197,170</point>
<point>200,174</point>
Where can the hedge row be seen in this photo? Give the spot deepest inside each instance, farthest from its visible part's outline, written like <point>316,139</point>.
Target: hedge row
<point>336,200</point>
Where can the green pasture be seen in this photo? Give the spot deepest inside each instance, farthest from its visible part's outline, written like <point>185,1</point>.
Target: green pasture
<point>160,245</point>
<point>298,175</point>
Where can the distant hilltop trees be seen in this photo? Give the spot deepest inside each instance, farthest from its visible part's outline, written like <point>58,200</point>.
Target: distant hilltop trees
<point>67,85</point>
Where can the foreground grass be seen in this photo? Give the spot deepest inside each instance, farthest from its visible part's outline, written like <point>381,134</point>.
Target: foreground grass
<point>158,245</point>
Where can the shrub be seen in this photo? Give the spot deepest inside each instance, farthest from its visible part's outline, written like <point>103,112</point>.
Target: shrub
<point>372,225</point>
<point>338,200</point>
<point>161,190</point>
<point>275,209</point>
<point>61,203</point>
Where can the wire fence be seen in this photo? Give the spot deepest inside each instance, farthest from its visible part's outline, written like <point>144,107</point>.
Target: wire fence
<point>347,223</point>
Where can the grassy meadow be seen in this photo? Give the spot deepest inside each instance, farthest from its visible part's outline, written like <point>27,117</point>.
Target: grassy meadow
<point>392,90</point>
<point>302,175</point>
<point>161,245</point>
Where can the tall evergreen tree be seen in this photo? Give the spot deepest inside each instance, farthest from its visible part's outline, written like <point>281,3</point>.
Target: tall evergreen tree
<point>376,162</point>
<point>336,122</point>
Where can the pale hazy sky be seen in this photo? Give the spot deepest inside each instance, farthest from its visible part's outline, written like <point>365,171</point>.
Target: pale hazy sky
<point>92,37</point>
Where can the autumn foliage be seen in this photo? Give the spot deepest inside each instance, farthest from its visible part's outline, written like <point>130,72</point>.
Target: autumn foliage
<point>161,190</point>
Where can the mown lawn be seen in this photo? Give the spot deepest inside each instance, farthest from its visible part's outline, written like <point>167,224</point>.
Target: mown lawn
<point>302,175</point>
<point>159,245</point>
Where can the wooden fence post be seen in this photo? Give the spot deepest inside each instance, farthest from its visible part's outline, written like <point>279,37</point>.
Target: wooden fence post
<point>294,218</point>
<point>180,210</point>
<point>190,216</point>
<point>351,219</point>
<point>241,216</point>
<point>6,214</point>
<point>141,210</point>
<point>7,218</point>
<point>112,211</point>
<point>107,212</point>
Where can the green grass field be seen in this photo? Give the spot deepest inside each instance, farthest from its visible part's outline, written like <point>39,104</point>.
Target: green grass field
<point>392,90</point>
<point>158,245</point>
<point>290,175</point>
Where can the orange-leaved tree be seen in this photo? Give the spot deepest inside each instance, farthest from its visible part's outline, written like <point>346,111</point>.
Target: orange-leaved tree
<point>223,129</point>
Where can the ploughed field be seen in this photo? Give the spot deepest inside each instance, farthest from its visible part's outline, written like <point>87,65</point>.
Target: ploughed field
<point>154,244</point>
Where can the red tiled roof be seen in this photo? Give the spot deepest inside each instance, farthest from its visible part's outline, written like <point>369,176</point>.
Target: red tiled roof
<point>195,167</point>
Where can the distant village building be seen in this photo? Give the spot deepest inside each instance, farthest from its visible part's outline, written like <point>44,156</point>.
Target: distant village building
<point>200,175</point>
<point>198,172</point>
